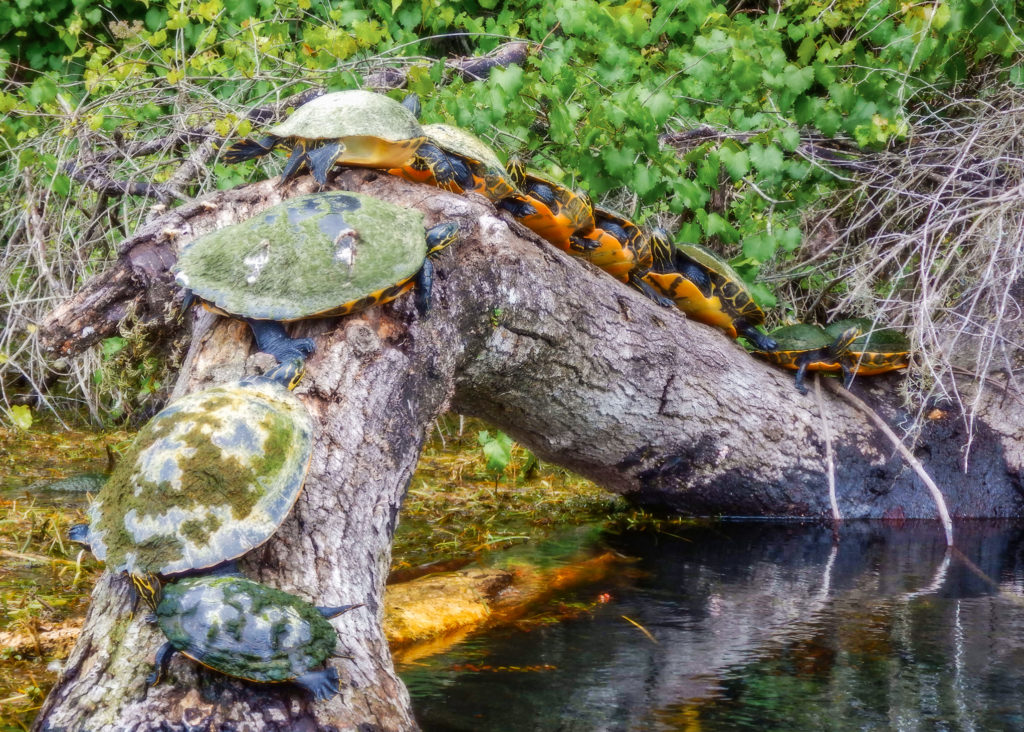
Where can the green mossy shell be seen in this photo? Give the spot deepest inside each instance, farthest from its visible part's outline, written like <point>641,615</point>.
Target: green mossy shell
<point>208,479</point>
<point>245,629</point>
<point>872,339</point>
<point>305,257</point>
<point>350,113</point>
<point>465,144</point>
<point>727,281</point>
<point>801,337</point>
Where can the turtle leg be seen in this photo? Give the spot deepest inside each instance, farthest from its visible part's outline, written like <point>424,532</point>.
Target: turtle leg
<point>517,207</point>
<point>543,193</point>
<point>696,275</point>
<point>322,158</point>
<point>248,149</point>
<point>641,284</point>
<point>463,175</point>
<point>801,370</point>
<point>424,286</point>
<point>760,340</point>
<point>163,661</point>
<point>847,373</point>
<point>431,157</point>
<point>271,338</point>
<point>296,160</point>
<point>412,103</point>
<point>321,684</point>
<point>333,612</point>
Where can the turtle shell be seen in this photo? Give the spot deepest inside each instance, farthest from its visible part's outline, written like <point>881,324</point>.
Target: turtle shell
<point>567,213</point>
<point>208,479</point>
<point>875,350</point>
<point>245,629</point>
<point>802,343</point>
<point>311,256</point>
<point>801,337</point>
<point>351,113</point>
<point>726,282</point>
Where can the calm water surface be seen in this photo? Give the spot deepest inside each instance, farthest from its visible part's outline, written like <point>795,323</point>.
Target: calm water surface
<point>761,626</point>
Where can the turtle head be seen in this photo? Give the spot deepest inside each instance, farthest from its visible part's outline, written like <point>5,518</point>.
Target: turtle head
<point>661,247</point>
<point>79,533</point>
<point>288,373</point>
<point>842,342</point>
<point>516,171</point>
<point>440,236</point>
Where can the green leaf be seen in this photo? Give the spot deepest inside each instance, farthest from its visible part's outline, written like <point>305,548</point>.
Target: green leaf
<point>497,449</point>
<point>510,79</point>
<point>767,159</point>
<point>736,162</point>
<point>21,416</point>
<point>112,346</point>
<point>759,247</point>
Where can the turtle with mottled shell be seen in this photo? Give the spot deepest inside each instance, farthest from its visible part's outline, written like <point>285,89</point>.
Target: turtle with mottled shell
<point>458,161</point>
<point>805,347</point>
<point>209,478</point>
<point>875,350</point>
<point>707,289</point>
<point>320,255</point>
<point>248,630</point>
<point>353,127</point>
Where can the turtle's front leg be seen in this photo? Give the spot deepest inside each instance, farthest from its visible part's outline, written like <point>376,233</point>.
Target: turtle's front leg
<point>271,338</point>
<point>163,661</point>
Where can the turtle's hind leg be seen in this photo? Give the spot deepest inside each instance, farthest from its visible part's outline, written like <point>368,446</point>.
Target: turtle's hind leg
<point>321,684</point>
<point>271,338</point>
<point>335,611</point>
<point>248,149</point>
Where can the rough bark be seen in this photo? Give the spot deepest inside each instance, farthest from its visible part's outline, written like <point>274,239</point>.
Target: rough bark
<point>587,373</point>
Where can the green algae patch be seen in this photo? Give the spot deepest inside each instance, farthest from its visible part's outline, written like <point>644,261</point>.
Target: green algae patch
<point>308,256</point>
<point>206,480</point>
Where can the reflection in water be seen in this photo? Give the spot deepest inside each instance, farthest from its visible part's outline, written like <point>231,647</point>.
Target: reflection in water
<point>762,626</point>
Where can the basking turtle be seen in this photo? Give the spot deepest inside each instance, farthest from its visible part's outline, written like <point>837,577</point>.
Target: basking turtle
<point>623,250</point>
<point>805,347</point>
<point>875,350</point>
<point>353,127</point>
<point>552,211</point>
<point>319,255</point>
<point>245,629</point>
<point>707,289</point>
<point>457,161</point>
<point>208,479</point>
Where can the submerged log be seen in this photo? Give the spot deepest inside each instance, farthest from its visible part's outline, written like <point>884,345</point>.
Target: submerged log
<point>584,371</point>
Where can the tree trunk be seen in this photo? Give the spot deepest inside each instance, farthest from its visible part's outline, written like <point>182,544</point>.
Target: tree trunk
<point>582,370</point>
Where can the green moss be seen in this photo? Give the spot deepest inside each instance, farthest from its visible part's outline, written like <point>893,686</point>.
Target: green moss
<point>198,531</point>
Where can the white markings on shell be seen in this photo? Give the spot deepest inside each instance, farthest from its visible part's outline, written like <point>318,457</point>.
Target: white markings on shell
<point>257,261</point>
<point>345,247</point>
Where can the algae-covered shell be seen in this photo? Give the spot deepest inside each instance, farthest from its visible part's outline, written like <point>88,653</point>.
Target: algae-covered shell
<point>351,113</point>
<point>801,337</point>
<point>245,629</point>
<point>208,479</point>
<point>308,256</point>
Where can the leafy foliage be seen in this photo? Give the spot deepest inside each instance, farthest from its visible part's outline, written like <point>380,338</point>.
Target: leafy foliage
<point>610,79</point>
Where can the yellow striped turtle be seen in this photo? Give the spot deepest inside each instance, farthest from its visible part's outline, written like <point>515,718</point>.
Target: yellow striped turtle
<point>320,255</point>
<point>805,347</point>
<point>875,350</point>
<point>209,478</point>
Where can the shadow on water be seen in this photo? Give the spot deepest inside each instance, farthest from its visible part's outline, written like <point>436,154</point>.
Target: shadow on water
<point>761,626</point>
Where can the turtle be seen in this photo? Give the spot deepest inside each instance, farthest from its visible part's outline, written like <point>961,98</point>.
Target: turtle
<point>553,211</point>
<point>245,629</point>
<point>457,161</point>
<point>707,289</point>
<point>209,478</point>
<point>319,255</point>
<point>806,347</point>
<point>622,249</point>
<point>875,350</point>
<point>353,127</point>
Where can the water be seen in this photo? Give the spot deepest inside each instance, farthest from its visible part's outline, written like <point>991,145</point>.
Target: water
<point>761,626</point>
